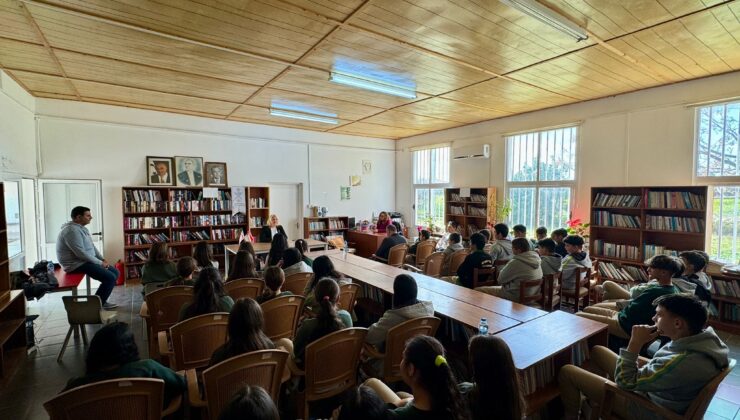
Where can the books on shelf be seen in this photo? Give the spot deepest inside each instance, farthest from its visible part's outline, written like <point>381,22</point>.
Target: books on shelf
<point>257,222</point>
<point>336,224</point>
<point>607,249</point>
<point>145,238</point>
<point>653,250</point>
<point>152,222</point>
<point>211,220</point>
<point>221,234</point>
<point>730,288</point>
<point>190,235</point>
<point>675,200</point>
<point>478,198</point>
<point>620,272</point>
<point>320,225</point>
<point>456,210</point>
<point>142,195</point>
<point>605,218</point>
<point>142,255</point>
<point>732,312</point>
<point>257,203</point>
<point>616,200</point>
<point>674,223</point>
<point>476,211</point>
<point>455,197</point>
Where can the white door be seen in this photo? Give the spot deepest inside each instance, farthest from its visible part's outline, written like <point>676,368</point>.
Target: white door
<point>286,201</point>
<point>57,198</point>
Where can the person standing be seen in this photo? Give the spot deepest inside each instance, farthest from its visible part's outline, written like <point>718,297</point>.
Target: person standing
<point>77,254</point>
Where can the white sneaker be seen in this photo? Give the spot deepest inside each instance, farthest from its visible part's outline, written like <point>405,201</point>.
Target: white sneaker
<point>109,305</point>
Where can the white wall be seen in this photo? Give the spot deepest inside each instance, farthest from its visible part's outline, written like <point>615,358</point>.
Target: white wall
<point>17,128</point>
<point>635,139</point>
<point>92,141</point>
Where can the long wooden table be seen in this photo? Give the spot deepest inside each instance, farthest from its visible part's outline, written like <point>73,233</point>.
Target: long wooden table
<point>264,248</point>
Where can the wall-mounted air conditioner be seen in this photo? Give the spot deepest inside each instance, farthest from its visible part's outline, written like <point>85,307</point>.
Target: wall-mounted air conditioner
<point>477,151</point>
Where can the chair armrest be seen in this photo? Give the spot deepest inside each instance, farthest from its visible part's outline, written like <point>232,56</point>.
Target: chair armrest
<point>372,352</point>
<point>412,268</point>
<point>194,389</point>
<point>164,345</point>
<point>173,407</point>
<point>377,258</point>
<point>144,311</point>
<point>611,390</point>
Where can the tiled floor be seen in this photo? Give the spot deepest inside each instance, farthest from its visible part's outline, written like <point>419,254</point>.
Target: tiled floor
<point>41,377</point>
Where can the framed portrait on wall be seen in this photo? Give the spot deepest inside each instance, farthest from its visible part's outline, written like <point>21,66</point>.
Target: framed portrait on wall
<point>189,171</point>
<point>159,171</point>
<point>216,174</point>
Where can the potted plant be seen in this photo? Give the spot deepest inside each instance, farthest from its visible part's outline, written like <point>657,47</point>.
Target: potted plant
<point>576,227</point>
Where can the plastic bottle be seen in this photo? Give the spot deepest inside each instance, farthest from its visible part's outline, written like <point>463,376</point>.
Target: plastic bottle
<point>483,327</point>
<point>345,250</point>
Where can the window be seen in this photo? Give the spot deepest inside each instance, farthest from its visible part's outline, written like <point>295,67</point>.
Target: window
<point>431,175</point>
<point>13,218</point>
<point>540,175</point>
<point>718,164</point>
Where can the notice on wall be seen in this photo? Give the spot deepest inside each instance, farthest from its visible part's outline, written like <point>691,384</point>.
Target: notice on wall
<point>464,192</point>
<point>210,192</point>
<point>238,200</point>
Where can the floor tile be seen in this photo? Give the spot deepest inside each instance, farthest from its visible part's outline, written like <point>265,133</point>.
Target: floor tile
<point>723,408</point>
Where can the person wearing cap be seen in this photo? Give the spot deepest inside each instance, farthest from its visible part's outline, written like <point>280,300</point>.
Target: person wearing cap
<point>576,258</point>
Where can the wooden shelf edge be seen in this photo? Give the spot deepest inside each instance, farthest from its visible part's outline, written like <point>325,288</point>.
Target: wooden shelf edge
<point>729,326</point>
<point>8,328</point>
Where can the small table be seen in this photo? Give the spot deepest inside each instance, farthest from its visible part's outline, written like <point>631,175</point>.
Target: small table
<point>264,248</point>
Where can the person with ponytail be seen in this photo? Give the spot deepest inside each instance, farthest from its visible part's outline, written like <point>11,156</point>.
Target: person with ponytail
<point>245,332</point>
<point>496,388</point>
<point>424,368</point>
<point>322,268</point>
<point>208,295</point>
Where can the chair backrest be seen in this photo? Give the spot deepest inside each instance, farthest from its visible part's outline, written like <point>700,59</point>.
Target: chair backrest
<point>348,296</point>
<point>263,368</point>
<point>296,283</point>
<point>83,309</point>
<point>433,264</point>
<point>194,340</point>
<point>114,399</point>
<point>498,265</point>
<point>396,340</point>
<point>584,277</point>
<point>551,286</point>
<point>423,250</point>
<point>281,316</point>
<point>244,288</point>
<point>484,277</point>
<point>164,306</point>
<point>397,255</point>
<point>531,291</point>
<point>699,406</point>
<point>327,379</point>
<point>456,260</point>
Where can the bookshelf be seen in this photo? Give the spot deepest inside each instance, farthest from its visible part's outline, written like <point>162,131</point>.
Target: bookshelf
<point>472,213</point>
<point>182,217</point>
<point>632,224</point>
<point>12,309</point>
<point>320,227</point>
<point>725,308</point>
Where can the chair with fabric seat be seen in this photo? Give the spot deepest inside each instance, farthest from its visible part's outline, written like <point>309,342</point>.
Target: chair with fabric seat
<point>281,316</point>
<point>551,286</point>
<point>456,260</point>
<point>244,288</point>
<point>536,300</point>
<point>296,283</point>
<point>114,399</point>
<point>348,296</point>
<point>581,293</point>
<point>81,311</point>
<point>189,344</point>
<point>163,311</point>
<point>263,368</point>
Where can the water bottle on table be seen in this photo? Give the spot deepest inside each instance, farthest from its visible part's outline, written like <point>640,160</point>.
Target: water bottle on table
<point>483,327</point>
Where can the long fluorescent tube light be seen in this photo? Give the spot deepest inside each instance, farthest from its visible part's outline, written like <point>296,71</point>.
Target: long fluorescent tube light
<point>540,12</point>
<point>303,116</point>
<point>371,84</point>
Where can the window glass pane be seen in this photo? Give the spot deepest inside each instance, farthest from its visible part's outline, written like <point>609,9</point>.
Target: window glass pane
<point>717,143</point>
<point>522,157</point>
<point>422,206</point>
<point>13,218</point>
<point>422,167</point>
<point>558,154</point>
<point>522,206</point>
<point>725,238</point>
<point>554,208</point>
<point>438,206</point>
<point>440,158</point>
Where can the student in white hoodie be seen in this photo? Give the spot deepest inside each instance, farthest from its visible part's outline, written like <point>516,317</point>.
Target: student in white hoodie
<point>576,258</point>
<point>551,262</point>
<point>501,248</point>
<point>695,262</point>
<point>524,265</point>
<point>454,244</point>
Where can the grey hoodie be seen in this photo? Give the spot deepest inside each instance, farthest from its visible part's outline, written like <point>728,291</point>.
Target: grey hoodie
<point>501,250</point>
<point>75,247</point>
<point>551,264</point>
<point>676,374</point>
<point>570,263</point>
<point>377,332</point>
<point>524,266</point>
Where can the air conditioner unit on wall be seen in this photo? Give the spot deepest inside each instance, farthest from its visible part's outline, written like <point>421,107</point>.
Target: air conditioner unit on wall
<point>477,151</point>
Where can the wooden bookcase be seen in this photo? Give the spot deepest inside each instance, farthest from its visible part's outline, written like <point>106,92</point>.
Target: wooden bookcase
<point>182,218</point>
<point>725,314</point>
<point>12,309</point>
<point>320,227</point>
<point>472,213</point>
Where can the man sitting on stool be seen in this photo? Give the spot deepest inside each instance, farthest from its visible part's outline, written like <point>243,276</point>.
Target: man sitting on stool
<point>77,254</point>
<point>392,239</point>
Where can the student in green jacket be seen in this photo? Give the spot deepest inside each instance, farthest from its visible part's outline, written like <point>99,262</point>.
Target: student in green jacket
<point>158,269</point>
<point>208,296</point>
<point>185,270</point>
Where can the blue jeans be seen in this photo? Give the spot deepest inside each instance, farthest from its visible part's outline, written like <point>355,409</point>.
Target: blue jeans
<point>106,276</point>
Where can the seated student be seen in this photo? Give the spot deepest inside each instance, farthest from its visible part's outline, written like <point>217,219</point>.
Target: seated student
<point>425,370</point>
<point>247,246</point>
<point>452,227</point>
<point>424,235</point>
<point>251,402</point>
<point>476,259</point>
<point>454,244</point>
<point>501,249</point>
<point>487,235</point>
<point>245,332</point>
<point>185,269</point>
<point>496,388</point>
<point>293,262</point>
<point>525,265</point>
<point>113,354</point>
<point>639,310</point>
<point>302,246</point>
<point>203,255</point>
<point>576,258</point>
<point>520,231</point>
<point>551,262</point>
<point>208,296</point>
<point>674,376</point>
<point>158,269</point>
<point>243,267</point>
<point>558,235</point>
<point>362,403</point>
<point>274,280</point>
<point>277,248</point>
<point>322,268</point>
<point>695,262</point>
<point>392,239</point>
<point>541,233</point>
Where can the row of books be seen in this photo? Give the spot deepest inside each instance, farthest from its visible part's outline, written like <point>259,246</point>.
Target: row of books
<point>257,221</point>
<point>726,288</point>
<point>257,202</point>
<point>172,206</point>
<point>316,225</point>
<point>476,211</point>
<point>472,229</point>
<point>674,223</point>
<point>605,218</point>
<point>211,220</point>
<point>732,313</point>
<point>455,197</point>
<point>145,238</point>
<point>607,249</point>
<point>537,376</point>
<point>675,200</point>
<point>622,272</point>
<point>143,254</point>
<point>188,195</point>
<point>190,235</point>
<point>337,224</point>
<point>478,198</point>
<point>456,210</point>
<point>221,234</point>
<point>651,250</point>
<point>142,195</point>
<point>616,200</point>
<point>134,271</point>
<point>152,222</point>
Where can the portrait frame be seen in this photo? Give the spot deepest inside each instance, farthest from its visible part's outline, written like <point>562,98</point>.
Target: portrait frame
<point>210,178</point>
<point>181,174</point>
<point>152,176</point>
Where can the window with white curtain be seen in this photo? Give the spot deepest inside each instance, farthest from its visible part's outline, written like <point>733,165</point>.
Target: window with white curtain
<point>541,176</point>
<point>431,176</point>
<point>718,165</point>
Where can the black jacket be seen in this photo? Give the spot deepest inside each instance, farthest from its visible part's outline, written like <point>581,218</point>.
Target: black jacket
<point>388,243</point>
<point>266,233</point>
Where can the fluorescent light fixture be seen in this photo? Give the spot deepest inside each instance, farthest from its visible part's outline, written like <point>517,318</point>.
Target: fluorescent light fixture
<point>303,116</point>
<point>542,13</point>
<point>364,82</point>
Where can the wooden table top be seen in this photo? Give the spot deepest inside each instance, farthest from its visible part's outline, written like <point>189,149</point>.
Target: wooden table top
<point>264,247</point>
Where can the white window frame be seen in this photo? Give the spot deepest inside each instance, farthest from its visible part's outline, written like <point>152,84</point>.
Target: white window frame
<point>21,224</point>
<point>429,186</point>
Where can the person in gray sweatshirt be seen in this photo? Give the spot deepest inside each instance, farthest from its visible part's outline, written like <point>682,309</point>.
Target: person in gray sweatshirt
<point>501,248</point>
<point>576,258</point>
<point>675,375</point>
<point>524,265</point>
<point>77,254</point>
<point>551,262</point>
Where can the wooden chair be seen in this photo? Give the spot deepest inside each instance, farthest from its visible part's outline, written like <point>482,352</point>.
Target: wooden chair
<point>296,283</point>
<point>484,277</point>
<point>456,260</point>
<point>432,265</point>
<point>244,288</point>
<point>551,286</point>
<point>324,380</point>
<point>423,250</point>
<point>396,342</point>
<point>163,311</point>
<point>581,293</point>
<point>263,368</point>
<point>530,300</point>
<point>695,411</point>
<point>281,316</point>
<point>81,311</point>
<point>114,399</point>
<point>194,340</point>
<point>348,296</point>
<point>498,265</point>
<point>397,255</point>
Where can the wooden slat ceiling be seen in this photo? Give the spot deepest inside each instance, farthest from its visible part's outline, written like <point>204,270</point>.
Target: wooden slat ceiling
<point>470,60</point>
